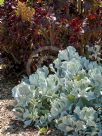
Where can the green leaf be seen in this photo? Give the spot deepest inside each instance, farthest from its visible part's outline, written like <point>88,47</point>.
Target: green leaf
<point>27,123</point>
<point>1,2</point>
<point>71,98</point>
<point>43,131</point>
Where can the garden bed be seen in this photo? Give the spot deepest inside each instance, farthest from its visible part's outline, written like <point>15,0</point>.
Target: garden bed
<point>64,93</point>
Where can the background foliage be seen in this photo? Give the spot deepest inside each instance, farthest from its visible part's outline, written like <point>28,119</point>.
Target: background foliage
<point>30,25</point>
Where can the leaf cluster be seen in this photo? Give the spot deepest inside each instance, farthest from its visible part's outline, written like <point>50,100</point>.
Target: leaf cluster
<point>70,98</point>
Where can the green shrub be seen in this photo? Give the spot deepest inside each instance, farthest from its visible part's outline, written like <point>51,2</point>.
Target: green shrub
<point>66,95</point>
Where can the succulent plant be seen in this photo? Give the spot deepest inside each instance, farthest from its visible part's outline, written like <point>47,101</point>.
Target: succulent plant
<point>70,98</point>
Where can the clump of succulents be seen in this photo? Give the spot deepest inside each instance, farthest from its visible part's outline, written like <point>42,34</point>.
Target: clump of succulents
<point>67,95</point>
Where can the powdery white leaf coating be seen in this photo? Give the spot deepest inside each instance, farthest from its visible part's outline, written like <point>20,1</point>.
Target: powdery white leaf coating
<point>70,98</point>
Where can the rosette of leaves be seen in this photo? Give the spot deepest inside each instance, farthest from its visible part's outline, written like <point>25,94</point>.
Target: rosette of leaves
<point>66,95</point>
